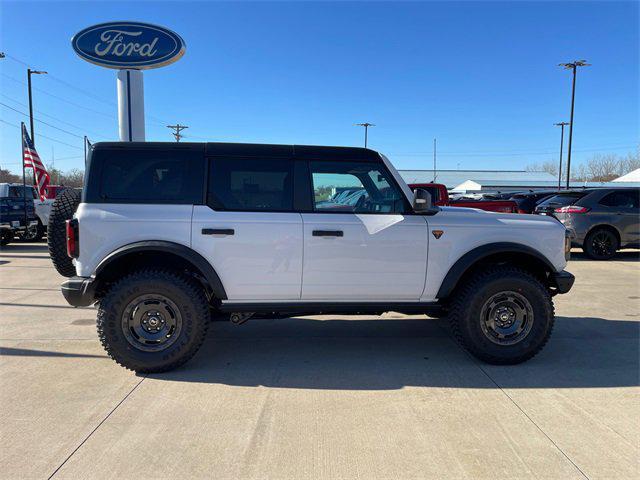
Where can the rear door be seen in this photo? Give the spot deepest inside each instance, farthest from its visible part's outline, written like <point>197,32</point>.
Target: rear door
<point>248,230</point>
<point>359,242</point>
<point>623,210</point>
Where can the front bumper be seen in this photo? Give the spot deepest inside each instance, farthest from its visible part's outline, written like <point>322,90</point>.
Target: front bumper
<point>562,281</point>
<point>79,291</point>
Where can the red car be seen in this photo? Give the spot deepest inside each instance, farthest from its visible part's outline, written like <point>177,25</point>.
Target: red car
<point>440,197</point>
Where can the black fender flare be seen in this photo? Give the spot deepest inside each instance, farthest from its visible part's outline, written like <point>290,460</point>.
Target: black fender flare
<point>466,261</point>
<point>180,250</point>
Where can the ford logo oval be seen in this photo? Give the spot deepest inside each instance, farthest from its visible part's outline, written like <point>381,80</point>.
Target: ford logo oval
<point>131,45</point>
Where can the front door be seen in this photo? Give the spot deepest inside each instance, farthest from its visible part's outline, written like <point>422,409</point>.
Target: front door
<point>249,231</point>
<point>360,243</point>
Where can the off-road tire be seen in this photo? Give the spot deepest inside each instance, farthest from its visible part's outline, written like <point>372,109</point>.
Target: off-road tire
<point>62,210</point>
<point>590,249</point>
<point>6,237</point>
<point>193,307</point>
<point>465,314</point>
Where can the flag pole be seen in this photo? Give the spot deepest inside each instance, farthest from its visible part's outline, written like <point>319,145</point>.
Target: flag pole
<point>24,179</point>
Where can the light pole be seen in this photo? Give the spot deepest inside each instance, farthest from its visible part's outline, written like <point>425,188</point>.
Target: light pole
<point>572,66</point>
<point>29,73</point>
<point>561,125</point>
<point>366,130</point>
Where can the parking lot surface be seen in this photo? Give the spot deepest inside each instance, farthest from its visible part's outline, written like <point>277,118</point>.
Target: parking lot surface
<point>321,397</point>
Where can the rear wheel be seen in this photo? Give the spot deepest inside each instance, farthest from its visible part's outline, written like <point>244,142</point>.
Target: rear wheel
<point>503,315</point>
<point>62,210</point>
<point>153,320</point>
<point>601,244</point>
<point>6,237</point>
<point>34,233</point>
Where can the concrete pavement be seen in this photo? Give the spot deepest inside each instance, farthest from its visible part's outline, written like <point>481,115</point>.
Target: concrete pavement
<point>321,397</point>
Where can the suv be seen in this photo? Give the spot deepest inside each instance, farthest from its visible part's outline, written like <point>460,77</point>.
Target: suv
<point>17,212</point>
<point>167,235</point>
<point>600,220</point>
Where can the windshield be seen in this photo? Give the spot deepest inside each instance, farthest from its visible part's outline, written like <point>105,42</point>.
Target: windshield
<point>562,199</point>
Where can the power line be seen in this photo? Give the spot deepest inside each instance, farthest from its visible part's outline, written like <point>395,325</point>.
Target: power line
<point>89,94</point>
<point>60,98</point>
<point>497,154</point>
<point>42,121</point>
<point>54,118</point>
<point>43,136</point>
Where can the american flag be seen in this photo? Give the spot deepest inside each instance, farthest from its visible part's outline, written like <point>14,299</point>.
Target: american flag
<point>32,160</point>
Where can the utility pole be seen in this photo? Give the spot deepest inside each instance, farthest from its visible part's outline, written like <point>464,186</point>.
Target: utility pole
<point>29,73</point>
<point>435,175</point>
<point>366,126</point>
<point>561,125</point>
<point>178,128</point>
<point>574,67</point>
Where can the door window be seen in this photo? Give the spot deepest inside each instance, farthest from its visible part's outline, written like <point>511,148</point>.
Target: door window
<point>354,187</point>
<point>621,200</point>
<point>253,184</point>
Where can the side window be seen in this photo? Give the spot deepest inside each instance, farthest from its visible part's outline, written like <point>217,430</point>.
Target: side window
<point>354,187</point>
<point>621,200</point>
<point>152,176</point>
<point>251,184</point>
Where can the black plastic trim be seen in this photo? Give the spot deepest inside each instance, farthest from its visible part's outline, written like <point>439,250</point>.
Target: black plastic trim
<point>470,258</point>
<point>345,308</point>
<point>562,281</point>
<point>170,247</point>
<point>79,291</point>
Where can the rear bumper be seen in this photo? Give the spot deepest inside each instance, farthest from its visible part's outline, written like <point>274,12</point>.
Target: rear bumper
<point>562,281</point>
<point>79,291</point>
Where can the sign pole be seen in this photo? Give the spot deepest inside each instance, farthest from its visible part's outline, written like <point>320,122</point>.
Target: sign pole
<point>130,105</point>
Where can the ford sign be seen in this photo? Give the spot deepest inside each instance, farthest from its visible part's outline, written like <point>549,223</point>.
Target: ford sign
<point>131,45</point>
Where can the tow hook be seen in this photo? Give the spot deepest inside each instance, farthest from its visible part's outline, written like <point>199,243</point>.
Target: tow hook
<point>239,318</point>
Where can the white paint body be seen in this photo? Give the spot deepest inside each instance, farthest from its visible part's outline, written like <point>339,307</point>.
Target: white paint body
<point>274,257</point>
<point>130,106</point>
<point>43,209</point>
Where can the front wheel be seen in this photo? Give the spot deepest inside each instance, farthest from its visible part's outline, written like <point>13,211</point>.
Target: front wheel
<point>153,320</point>
<point>503,315</point>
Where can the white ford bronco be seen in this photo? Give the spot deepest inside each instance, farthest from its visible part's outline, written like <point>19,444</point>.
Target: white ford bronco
<point>168,235</point>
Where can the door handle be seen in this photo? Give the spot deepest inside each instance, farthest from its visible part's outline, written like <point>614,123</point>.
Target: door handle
<point>218,231</point>
<point>328,233</point>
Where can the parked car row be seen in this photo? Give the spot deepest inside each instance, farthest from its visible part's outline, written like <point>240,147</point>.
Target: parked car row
<point>440,197</point>
<point>22,213</point>
<point>601,220</point>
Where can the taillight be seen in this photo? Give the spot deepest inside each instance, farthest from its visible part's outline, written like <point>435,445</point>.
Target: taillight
<point>73,247</point>
<point>571,209</point>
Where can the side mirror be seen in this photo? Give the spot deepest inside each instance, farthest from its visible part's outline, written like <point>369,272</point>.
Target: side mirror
<point>422,202</point>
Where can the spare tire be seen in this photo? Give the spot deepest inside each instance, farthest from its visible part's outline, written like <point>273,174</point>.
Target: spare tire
<point>62,210</point>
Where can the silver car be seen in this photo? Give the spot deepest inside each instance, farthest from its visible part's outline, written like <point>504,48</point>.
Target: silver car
<point>600,220</point>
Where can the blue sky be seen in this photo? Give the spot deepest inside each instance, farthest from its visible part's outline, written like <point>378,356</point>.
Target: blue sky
<point>481,77</point>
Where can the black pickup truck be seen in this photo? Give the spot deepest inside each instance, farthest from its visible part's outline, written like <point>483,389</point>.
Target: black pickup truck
<point>13,220</point>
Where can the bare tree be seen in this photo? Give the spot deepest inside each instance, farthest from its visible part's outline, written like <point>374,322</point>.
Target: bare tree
<point>603,168</point>
<point>8,177</point>
<point>549,167</point>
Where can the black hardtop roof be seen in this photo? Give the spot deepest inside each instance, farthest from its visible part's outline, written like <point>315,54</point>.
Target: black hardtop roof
<point>250,149</point>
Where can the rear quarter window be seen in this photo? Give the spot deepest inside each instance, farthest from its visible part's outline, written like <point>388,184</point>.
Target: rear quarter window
<point>154,176</point>
<point>563,199</point>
